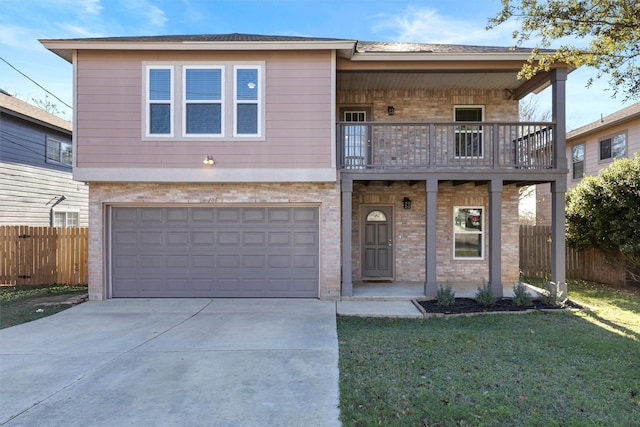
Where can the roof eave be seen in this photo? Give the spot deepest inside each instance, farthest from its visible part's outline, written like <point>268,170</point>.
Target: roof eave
<point>438,56</point>
<point>65,48</point>
<point>579,133</point>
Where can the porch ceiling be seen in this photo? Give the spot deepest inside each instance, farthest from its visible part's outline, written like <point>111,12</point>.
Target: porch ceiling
<point>428,80</point>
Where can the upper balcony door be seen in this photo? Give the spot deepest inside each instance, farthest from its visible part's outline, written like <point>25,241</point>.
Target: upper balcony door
<point>357,148</point>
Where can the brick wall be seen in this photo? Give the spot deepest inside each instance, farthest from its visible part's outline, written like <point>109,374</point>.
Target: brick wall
<point>416,105</point>
<point>325,195</point>
<point>409,230</point>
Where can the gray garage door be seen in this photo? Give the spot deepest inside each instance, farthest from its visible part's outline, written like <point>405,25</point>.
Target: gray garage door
<point>214,252</point>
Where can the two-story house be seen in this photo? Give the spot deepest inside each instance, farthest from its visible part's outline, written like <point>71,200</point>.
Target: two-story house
<point>36,185</point>
<point>242,165</point>
<point>593,147</point>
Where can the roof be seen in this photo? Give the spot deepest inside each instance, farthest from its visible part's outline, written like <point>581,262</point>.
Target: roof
<point>628,113</point>
<point>235,41</point>
<point>389,47</point>
<point>22,109</point>
<point>233,37</point>
<point>353,49</point>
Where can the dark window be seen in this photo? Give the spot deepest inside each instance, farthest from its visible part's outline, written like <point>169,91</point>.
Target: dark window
<point>577,161</point>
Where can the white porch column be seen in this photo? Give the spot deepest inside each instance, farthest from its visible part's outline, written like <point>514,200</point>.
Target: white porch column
<point>347,194</point>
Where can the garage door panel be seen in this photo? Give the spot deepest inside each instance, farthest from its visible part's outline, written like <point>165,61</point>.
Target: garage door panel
<point>254,215</point>
<point>177,238</point>
<point>215,252</point>
<point>254,238</point>
<point>228,238</point>
<point>153,238</point>
<point>149,215</point>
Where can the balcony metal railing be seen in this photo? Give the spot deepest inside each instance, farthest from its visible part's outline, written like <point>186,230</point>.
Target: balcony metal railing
<point>477,145</point>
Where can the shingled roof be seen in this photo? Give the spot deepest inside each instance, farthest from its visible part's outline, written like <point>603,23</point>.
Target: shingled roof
<point>627,113</point>
<point>19,108</point>
<point>233,37</point>
<point>390,47</point>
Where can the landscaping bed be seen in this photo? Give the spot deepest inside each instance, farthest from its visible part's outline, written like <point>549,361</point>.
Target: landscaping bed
<point>470,305</point>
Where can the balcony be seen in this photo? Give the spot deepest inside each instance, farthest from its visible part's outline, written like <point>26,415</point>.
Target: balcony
<point>473,146</point>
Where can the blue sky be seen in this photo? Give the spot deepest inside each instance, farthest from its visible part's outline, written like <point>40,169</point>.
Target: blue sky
<point>23,22</point>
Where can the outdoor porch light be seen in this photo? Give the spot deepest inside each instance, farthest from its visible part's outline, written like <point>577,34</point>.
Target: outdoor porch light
<point>391,110</point>
<point>406,203</point>
<point>208,160</point>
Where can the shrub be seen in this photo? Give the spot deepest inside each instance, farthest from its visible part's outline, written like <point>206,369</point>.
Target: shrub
<point>484,295</point>
<point>521,295</point>
<point>551,296</point>
<point>602,212</point>
<point>446,296</point>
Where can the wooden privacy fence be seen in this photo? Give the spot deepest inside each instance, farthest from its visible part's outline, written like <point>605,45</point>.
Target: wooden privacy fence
<point>589,264</point>
<point>43,255</point>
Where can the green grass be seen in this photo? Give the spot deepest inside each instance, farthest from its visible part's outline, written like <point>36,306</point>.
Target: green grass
<point>18,304</point>
<point>538,369</point>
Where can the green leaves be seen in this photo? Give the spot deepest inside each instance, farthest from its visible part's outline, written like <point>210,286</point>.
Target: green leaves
<point>605,35</point>
<point>603,211</point>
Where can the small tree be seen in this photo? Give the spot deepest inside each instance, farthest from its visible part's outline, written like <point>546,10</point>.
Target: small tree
<point>604,212</point>
<point>608,28</point>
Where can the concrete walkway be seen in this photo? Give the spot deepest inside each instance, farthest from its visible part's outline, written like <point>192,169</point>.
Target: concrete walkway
<point>173,362</point>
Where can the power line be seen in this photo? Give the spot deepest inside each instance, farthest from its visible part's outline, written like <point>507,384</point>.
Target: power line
<point>35,82</point>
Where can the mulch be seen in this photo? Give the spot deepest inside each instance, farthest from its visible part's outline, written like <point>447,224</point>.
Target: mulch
<point>469,305</point>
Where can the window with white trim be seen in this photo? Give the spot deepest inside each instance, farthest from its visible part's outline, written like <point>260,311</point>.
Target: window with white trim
<point>59,151</point>
<point>468,232</point>
<point>65,219</point>
<point>159,101</point>
<point>577,161</point>
<point>246,98</point>
<point>468,138</point>
<point>202,100</point>
<point>613,147</point>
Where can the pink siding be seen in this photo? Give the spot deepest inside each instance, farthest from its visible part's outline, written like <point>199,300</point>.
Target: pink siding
<point>593,165</point>
<point>110,109</point>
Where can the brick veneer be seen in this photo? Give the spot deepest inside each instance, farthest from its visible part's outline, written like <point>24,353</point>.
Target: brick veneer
<point>324,195</point>
<point>409,230</point>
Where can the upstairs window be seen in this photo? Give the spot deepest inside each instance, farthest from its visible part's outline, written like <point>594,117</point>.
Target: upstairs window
<point>160,101</point>
<point>247,101</point>
<point>614,147</point>
<point>59,152</point>
<point>577,161</point>
<point>203,100</point>
<point>468,138</point>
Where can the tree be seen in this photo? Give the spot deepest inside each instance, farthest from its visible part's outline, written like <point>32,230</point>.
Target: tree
<point>47,105</point>
<point>603,212</point>
<point>610,27</point>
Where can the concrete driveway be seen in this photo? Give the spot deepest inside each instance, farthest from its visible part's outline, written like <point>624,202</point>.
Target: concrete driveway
<point>173,362</point>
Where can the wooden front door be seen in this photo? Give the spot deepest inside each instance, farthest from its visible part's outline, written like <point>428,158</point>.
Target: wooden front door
<point>377,242</point>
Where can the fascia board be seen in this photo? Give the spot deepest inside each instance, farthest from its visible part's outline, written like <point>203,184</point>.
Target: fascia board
<point>195,45</point>
<point>414,56</point>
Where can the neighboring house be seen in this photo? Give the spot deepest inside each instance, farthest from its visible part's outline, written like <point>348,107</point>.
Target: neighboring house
<point>36,184</point>
<point>241,165</point>
<point>593,147</point>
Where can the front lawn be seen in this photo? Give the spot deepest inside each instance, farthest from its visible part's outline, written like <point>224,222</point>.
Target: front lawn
<point>20,304</point>
<point>546,369</point>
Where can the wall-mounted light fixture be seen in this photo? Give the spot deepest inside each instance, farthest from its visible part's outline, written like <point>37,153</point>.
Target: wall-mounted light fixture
<point>391,110</point>
<point>208,160</point>
<point>406,203</point>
